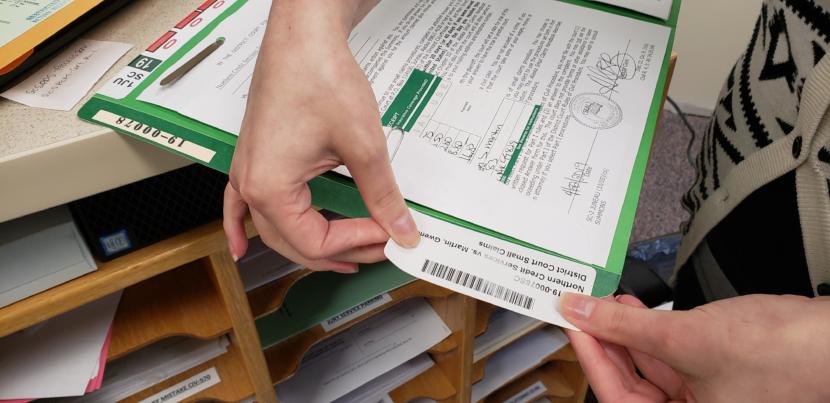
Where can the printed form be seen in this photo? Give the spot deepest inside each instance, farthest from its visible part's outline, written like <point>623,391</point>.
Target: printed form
<point>523,117</point>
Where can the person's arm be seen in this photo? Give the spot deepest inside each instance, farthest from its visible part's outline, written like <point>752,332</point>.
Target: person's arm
<point>310,109</point>
<point>747,349</point>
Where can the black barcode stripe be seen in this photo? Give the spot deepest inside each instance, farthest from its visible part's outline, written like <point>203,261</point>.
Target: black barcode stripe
<point>476,283</point>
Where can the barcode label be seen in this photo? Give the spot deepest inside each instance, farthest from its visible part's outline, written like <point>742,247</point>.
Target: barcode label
<point>477,284</point>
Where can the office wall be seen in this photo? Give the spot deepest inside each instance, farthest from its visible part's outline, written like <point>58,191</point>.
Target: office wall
<point>711,34</point>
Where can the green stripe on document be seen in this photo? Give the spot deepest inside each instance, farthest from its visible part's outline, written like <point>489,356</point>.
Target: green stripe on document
<point>411,100</point>
<point>518,151</point>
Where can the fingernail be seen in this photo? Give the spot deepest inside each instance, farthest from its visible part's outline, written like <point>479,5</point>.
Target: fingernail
<point>405,232</point>
<point>235,258</point>
<point>576,306</point>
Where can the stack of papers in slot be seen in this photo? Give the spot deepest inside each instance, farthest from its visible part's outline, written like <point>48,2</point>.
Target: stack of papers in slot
<point>518,358</point>
<point>504,325</point>
<point>152,365</point>
<point>40,251</point>
<point>369,349</point>
<point>63,356</point>
<point>378,389</point>
<point>261,265</point>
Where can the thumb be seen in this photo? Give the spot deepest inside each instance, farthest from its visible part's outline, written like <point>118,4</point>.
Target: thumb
<point>652,332</point>
<point>372,172</point>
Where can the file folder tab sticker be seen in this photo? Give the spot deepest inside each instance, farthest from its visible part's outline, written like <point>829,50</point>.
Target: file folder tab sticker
<point>529,394</point>
<point>186,388</point>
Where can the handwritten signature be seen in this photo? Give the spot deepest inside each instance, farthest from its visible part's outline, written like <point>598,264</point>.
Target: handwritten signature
<point>573,183</point>
<point>611,69</point>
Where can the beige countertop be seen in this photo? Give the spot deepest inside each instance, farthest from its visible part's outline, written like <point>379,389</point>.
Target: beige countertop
<point>48,157</point>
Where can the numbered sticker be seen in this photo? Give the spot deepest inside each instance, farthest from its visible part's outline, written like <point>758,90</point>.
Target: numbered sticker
<point>156,135</point>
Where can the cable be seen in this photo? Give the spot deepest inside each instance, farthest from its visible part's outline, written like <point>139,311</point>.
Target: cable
<point>688,126</point>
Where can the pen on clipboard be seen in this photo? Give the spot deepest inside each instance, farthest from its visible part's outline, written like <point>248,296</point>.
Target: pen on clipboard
<point>190,64</point>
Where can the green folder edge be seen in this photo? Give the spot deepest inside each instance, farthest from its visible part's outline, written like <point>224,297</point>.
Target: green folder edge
<point>339,194</point>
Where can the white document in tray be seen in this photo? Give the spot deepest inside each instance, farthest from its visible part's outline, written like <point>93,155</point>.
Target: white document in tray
<point>518,358</point>
<point>529,124</point>
<point>151,365</point>
<point>376,390</point>
<point>56,358</point>
<point>339,365</point>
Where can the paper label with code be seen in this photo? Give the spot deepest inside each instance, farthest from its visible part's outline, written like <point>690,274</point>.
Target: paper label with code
<point>355,312</point>
<point>186,388</point>
<point>155,135</point>
<point>502,273</point>
<point>528,394</point>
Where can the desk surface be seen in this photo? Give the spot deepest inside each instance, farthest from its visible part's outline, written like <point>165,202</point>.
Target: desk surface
<point>48,158</point>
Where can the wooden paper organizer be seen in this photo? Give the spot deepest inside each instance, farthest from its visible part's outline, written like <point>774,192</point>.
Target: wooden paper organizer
<point>284,358</point>
<point>189,286</point>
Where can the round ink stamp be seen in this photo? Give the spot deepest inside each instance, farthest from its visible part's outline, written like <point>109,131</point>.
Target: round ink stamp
<point>596,111</point>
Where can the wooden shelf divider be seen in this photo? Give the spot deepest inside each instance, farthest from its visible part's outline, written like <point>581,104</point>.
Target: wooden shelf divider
<point>269,297</point>
<point>550,375</point>
<point>181,302</point>
<point>431,384</point>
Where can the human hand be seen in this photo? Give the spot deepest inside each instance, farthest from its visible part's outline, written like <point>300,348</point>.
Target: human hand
<point>746,349</point>
<point>311,109</point>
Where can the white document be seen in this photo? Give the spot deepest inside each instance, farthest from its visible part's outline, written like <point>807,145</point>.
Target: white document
<point>64,81</point>
<point>339,365</point>
<point>18,16</point>
<point>655,8</point>
<point>518,358</point>
<point>503,326</point>
<point>151,365</point>
<point>537,108</point>
<point>376,390</point>
<point>499,272</point>
<point>57,357</point>
<point>40,251</point>
<point>261,265</point>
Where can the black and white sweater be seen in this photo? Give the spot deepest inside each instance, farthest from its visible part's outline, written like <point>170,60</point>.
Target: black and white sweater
<point>772,118</point>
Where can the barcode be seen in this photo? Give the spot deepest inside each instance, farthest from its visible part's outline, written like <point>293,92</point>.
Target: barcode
<point>477,283</point>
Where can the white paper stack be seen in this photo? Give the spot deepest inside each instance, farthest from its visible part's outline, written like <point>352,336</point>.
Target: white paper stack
<point>503,327</point>
<point>517,358</point>
<point>58,357</point>
<point>152,365</point>
<point>369,349</point>
<point>38,252</point>
<point>261,265</point>
<point>377,389</point>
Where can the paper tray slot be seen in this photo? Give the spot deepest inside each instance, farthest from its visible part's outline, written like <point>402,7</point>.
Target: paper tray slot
<point>269,297</point>
<point>233,387</point>
<point>549,381</point>
<point>431,384</point>
<point>284,358</point>
<point>181,302</point>
<point>565,354</point>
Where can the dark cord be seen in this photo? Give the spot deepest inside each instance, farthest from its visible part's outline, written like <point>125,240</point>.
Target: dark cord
<point>688,126</point>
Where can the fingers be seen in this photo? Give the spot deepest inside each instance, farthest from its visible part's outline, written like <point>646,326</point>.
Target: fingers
<point>309,233</point>
<point>365,254</point>
<point>605,378</point>
<point>655,333</point>
<point>372,172</point>
<point>234,210</point>
<point>272,238</point>
<point>658,373</point>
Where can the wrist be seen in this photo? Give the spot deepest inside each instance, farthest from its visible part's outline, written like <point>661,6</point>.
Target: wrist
<point>316,19</point>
